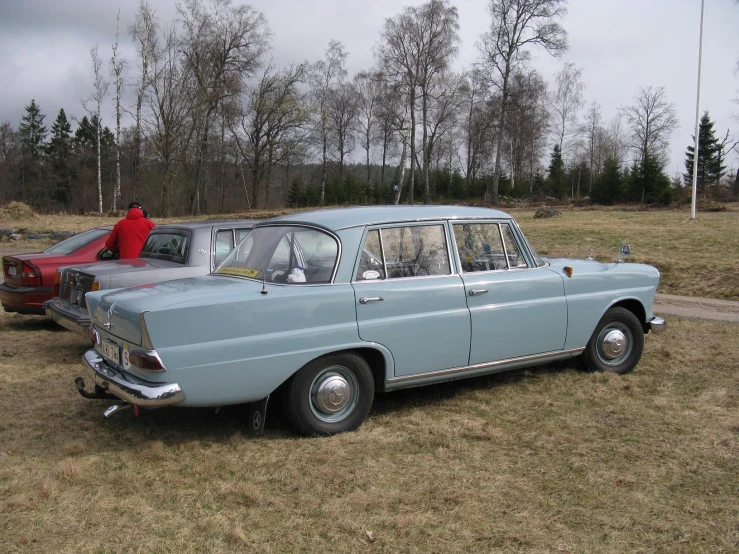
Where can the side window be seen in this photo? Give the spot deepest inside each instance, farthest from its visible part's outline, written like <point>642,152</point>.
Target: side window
<point>415,251</point>
<point>241,233</point>
<point>224,245</point>
<point>479,246</point>
<point>370,259</point>
<point>515,259</point>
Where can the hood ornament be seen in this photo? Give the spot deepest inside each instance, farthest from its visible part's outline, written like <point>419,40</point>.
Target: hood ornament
<point>108,324</point>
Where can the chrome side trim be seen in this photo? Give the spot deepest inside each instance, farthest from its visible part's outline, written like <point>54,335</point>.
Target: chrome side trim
<point>116,383</point>
<point>487,365</point>
<point>417,220</point>
<point>657,325</point>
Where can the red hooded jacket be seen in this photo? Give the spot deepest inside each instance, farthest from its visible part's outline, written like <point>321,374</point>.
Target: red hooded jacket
<point>129,234</point>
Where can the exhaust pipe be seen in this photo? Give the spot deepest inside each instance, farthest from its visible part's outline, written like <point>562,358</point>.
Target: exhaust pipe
<point>115,408</point>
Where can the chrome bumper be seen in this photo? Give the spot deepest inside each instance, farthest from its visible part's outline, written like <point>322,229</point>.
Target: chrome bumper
<point>119,384</point>
<point>657,325</point>
<point>75,320</point>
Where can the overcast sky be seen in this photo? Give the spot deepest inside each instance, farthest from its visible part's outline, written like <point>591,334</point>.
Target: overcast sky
<point>619,44</point>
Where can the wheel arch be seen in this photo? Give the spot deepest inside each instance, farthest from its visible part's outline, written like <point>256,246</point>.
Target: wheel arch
<point>379,362</point>
<point>635,307</point>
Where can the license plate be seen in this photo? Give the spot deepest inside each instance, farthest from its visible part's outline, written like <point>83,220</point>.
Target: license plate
<point>111,351</point>
<point>11,271</point>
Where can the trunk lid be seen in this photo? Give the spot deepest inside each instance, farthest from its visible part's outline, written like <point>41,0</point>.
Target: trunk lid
<point>118,311</point>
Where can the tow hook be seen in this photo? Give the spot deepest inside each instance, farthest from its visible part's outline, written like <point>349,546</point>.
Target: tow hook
<point>115,408</point>
<point>99,393</point>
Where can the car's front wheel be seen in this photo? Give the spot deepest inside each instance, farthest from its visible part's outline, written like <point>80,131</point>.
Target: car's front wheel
<point>616,344</point>
<point>330,395</point>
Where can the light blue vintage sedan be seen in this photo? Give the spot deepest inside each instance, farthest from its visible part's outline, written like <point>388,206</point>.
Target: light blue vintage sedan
<point>331,306</point>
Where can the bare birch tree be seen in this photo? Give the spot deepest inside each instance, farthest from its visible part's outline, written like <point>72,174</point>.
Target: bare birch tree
<point>223,45</point>
<point>437,29</point>
<point>515,25</point>
<point>398,53</point>
<point>325,75</point>
<point>117,66</point>
<point>168,99</point>
<point>342,113</point>
<point>143,32</point>
<point>368,85</point>
<point>101,88</point>
<point>566,102</point>
<point>267,125</point>
<point>651,119</point>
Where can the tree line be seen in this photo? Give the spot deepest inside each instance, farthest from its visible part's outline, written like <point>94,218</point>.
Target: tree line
<point>217,127</point>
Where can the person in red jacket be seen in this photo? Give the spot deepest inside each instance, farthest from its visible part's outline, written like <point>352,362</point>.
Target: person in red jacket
<point>129,234</point>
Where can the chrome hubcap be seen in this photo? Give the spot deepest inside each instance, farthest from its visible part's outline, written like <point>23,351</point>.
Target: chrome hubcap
<point>614,344</point>
<point>333,394</point>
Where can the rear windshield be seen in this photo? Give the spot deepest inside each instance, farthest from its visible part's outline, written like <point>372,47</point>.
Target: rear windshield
<point>167,246</point>
<point>76,242</point>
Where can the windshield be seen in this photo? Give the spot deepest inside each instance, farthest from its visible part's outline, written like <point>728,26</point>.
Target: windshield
<point>78,241</point>
<point>284,254</point>
<point>167,246</point>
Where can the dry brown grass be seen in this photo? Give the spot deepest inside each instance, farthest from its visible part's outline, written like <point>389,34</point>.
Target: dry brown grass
<point>544,460</point>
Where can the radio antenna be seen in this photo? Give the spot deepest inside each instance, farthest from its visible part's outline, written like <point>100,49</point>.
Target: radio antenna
<point>256,242</point>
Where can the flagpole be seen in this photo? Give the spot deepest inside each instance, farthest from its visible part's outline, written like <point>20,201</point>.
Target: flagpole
<point>697,116</point>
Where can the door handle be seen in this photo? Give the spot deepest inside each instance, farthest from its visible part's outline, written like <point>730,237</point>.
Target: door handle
<point>477,292</point>
<point>366,300</point>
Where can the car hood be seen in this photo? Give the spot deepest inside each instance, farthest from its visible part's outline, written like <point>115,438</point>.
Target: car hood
<point>127,304</point>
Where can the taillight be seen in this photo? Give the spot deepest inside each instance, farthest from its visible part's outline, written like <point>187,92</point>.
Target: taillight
<point>31,276</point>
<point>148,360</point>
<point>57,283</point>
<point>93,335</point>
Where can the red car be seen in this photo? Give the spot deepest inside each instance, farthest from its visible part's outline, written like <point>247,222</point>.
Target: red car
<point>29,278</point>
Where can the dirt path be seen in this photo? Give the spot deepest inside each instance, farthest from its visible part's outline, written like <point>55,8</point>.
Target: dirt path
<point>705,308</point>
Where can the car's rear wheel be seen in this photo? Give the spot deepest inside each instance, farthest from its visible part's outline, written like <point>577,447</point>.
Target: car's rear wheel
<point>616,344</point>
<point>330,395</point>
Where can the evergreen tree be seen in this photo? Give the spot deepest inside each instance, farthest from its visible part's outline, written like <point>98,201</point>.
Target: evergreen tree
<point>710,168</point>
<point>556,175</point>
<point>649,184</point>
<point>32,134</point>
<point>607,188</point>
<point>59,151</point>
<point>32,131</point>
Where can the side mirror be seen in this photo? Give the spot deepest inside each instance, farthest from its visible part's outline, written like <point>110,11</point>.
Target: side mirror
<point>623,252</point>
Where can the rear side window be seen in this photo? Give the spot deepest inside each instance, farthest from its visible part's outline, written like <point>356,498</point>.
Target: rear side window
<point>76,242</point>
<point>480,247</point>
<point>415,251</point>
<point>224,245</point>
<point>172,247</point>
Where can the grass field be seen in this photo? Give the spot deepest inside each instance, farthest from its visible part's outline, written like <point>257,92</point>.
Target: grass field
<point>549,459</point>
<point>544,460</point>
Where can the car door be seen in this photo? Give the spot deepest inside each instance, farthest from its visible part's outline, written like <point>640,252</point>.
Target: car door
<point>516,310</point>
<point>408,299</point>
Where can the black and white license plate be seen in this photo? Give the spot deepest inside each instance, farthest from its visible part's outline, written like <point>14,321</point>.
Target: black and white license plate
<point>111,351</point>
<point>11,270</point>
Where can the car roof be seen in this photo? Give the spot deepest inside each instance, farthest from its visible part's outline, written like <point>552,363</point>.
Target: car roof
<point>226,223</point>
<point>343,218</point>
